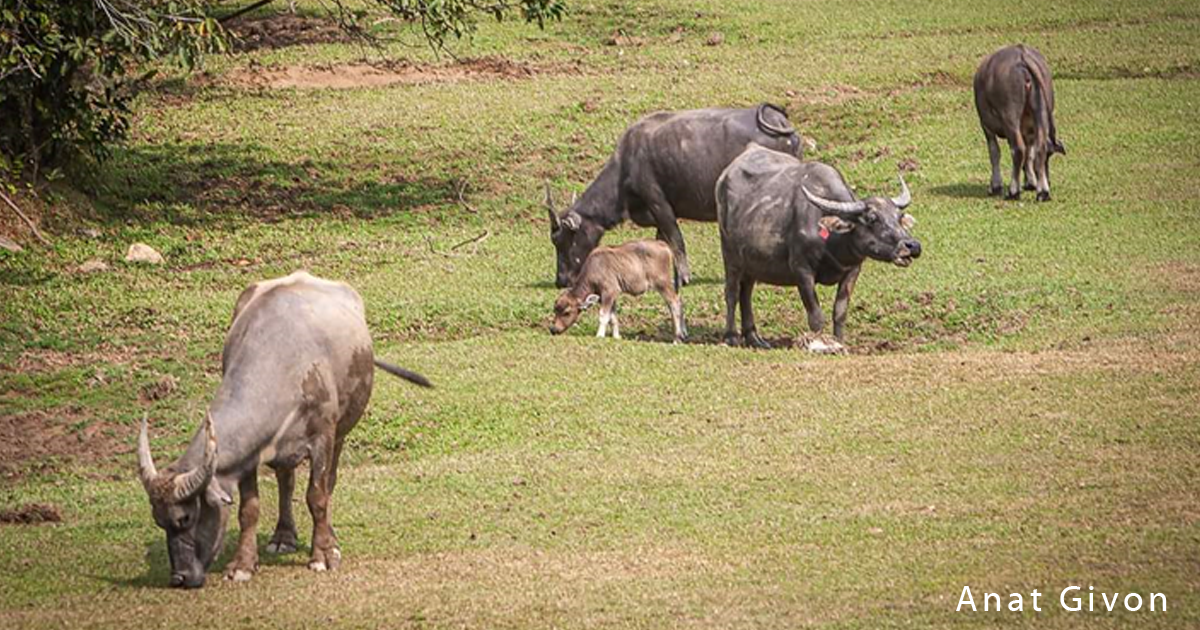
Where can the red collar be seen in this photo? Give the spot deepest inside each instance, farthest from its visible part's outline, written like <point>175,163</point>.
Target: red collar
<point>824,233</point>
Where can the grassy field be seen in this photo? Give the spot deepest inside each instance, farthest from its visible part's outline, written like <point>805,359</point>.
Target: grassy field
<point>1020,408</point>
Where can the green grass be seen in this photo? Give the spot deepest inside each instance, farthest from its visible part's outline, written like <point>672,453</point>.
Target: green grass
<point>1019,410</point>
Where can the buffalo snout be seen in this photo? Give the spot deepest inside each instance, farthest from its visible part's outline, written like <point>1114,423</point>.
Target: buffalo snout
<point>914,248</point>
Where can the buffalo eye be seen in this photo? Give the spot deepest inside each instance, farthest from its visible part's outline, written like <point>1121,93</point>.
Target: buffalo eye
<point>183,521</point>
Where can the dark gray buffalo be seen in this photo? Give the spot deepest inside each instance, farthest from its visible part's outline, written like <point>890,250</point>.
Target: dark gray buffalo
<point>297,373</point>
<point>1014,96</point>
<point>792,223</point>
<point>664,169</point>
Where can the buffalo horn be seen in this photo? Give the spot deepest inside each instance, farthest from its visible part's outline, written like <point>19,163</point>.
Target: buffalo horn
<point>843,209</point>
<point>905,197</point>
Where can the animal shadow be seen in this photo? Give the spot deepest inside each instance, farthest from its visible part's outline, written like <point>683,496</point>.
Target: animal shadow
<point>157,571</point>
<point>961,191</point>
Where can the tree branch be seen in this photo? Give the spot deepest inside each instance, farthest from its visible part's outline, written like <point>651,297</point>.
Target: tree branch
<point>24,218</point>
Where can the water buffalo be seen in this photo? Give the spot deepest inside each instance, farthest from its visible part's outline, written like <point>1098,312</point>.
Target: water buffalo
<point>297,371</point>
<point>632,268</point>
<point>664,169</point>
<point>792,223</point>
<point>1014,96</point>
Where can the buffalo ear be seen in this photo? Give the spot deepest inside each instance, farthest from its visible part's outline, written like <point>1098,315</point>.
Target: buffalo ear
<point>836,225</point>
<point>215,496</point>
<point>589,302</point>
<point>908,221</point>
<point>1060,147</point>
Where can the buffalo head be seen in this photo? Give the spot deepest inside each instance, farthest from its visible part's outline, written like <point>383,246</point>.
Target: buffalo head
<point>574,238</point>
<point>190,505</point>
<point>878,227</point>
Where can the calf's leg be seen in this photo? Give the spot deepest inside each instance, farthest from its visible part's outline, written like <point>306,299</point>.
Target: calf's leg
<point>675,306</point>
<point>285,538</point>
<point>606,314</point>
<point>245,561</point>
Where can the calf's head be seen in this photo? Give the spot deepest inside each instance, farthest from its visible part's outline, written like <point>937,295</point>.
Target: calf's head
<point>574,238</point>
<point>878,227</point>
<point>189,505</point>
<point>567,309</point>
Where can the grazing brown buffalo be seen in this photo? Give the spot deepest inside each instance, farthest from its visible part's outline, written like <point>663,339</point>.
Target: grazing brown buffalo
<point>632,268</point>
<point>297,371</point>
<point>1014,96</point>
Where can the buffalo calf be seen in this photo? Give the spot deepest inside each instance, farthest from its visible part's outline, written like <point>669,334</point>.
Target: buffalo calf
<point>632,268</point>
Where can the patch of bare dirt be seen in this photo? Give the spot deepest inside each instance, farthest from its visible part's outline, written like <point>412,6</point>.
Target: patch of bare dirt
<point>31,514</point>
<point>45,440</point>
<point>48,360</point>
<point>365,75</point>
<point>283,30</point>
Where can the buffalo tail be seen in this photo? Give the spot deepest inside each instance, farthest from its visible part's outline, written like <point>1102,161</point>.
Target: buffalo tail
<point>396,370</point>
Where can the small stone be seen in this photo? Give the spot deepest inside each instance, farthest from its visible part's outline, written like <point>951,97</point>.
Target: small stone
<point>143,253</point>
<point>875,531</point>
<point>91,232</point>
<point>94,265</point>
<point>818,344</point>
<point>715,39</point>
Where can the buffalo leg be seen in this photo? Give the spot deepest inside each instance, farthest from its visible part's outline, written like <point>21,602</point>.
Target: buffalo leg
<point>750,335</point>
<point>1016,145</point>
<point>668,232</point>
<point>993,145</point>
<point>606,314</point>
<point>841,305</point>
<point>325,553</point>
<point>1043,182</point>
<point>675,305</point>
<point>1031,177</point>
<point>733,288</point>
<point>808,295</point>
<point>245,561</point>
<point>285,538</point>
<point>615,324</point>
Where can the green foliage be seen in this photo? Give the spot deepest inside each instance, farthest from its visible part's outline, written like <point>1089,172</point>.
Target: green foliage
<point>65,71</point>
<point>443,19</point>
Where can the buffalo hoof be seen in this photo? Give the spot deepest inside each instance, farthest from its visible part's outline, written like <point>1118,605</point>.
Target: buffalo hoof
<point>730,340</point>
<point>754,341</point>
<point>1029,186</point>
<point>327,561</point>
<point>994,191</point>
<point>1012,196</point>
<point>239,575</point>
<point>280,548</point>
<point>1043,196</point>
